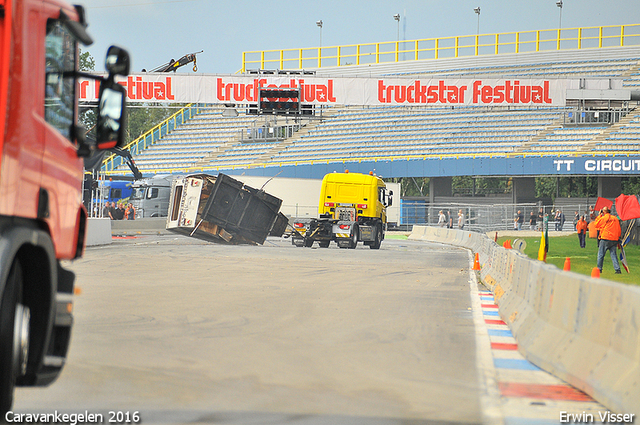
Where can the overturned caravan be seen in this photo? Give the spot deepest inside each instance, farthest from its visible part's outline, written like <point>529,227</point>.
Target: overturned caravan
<point>224,210</point>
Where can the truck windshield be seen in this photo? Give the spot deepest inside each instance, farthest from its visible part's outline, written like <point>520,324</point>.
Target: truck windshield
<point>60,48</point>
<point>137,192</point>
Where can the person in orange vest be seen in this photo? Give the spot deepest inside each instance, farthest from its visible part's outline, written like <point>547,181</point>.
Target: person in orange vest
<point>609,227</point>
<point>581,228</point>
<point>130,212</point>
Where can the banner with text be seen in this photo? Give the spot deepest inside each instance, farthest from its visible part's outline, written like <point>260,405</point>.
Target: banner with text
<point>243,89</point>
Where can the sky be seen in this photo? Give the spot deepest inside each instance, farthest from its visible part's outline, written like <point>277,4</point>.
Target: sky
<point>155,31</point>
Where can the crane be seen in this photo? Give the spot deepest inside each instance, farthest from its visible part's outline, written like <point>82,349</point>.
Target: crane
<point>173,65</point>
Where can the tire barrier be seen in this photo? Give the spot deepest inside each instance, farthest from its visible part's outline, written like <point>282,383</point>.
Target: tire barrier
<point>583,330</point>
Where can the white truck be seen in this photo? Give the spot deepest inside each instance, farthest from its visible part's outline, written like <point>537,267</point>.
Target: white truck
<point>150,196</point>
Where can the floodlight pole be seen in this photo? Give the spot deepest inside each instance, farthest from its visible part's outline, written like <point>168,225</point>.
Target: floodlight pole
<point>477,10</point>
<point>319,24</point>
<point>559,4</point>
<point>397,19</point>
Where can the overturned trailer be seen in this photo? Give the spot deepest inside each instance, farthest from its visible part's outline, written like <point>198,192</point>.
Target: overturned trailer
<point>222,209</point>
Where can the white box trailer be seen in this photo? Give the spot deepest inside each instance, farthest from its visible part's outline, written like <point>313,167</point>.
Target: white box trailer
<point>222,209</point>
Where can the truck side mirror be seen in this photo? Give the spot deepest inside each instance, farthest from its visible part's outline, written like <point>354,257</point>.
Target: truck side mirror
<point>117,62</point>
<point>111,117</point>
<point>390,198</point>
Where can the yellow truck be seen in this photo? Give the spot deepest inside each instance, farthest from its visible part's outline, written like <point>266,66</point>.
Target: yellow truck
<point>352,208</point>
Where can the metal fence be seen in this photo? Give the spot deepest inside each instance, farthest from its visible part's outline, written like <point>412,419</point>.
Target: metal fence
<point>268,133</point>
<point>486,218</point>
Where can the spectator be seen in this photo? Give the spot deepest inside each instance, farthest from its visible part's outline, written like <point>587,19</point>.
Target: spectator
<point>442,220</point>
<point>119,215</point>
<point>519,220</point>
<point>581,228</point>
<point>532,221</point>
<point>576,218</point>
<point>449,220</point>
<point>609,227</point>
<point>460,220</point>
<point>592,214</point>
<point>113,211</point>
<point>130,212</point>
<point>559,220</point>
<point>106,211</point>
<point>541,219</point>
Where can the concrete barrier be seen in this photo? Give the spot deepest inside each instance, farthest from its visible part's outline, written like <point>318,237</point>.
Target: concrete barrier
<point>151,225</point>
<point>98,231</point>
<point>585,331</point>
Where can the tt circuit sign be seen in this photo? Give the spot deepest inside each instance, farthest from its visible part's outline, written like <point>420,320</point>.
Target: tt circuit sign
<point>226,89</point>
<point>628,165</point>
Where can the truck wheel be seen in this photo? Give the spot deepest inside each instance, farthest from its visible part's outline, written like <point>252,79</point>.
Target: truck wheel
<point>378,241</point>
<point>354,237</point>
<point>14,336</point>
<point>324,244</point>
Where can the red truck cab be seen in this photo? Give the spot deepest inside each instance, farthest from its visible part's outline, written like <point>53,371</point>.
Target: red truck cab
<point>42,219</point>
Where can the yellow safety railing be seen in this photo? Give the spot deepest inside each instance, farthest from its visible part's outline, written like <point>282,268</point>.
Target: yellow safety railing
<point>445,47</point>
<point>150,137</point>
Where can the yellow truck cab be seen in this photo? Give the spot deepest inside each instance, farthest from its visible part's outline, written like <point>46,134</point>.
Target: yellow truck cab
<point>353,208</point>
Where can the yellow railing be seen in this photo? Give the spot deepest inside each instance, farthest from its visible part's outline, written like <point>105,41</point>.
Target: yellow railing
<point>445,47</point>
<point>111,162</point>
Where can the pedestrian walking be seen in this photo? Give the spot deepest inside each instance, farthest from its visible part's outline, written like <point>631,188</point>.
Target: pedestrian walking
<point>581,228</point>
<point>519,220</point>
<point>460,220</point>
<point>442,219</point>
<point>609,227</point>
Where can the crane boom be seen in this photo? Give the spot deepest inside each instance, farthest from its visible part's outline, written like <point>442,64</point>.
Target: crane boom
<point>173,65</point>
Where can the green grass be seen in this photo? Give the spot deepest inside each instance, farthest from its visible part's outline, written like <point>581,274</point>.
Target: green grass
<point>395,236</point>
<point>583,260</point>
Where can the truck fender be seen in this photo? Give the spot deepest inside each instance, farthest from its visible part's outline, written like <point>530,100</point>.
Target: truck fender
<point>342,229</point>
<point>81,231</point>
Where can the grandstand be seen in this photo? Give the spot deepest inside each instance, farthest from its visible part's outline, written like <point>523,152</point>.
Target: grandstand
<point>429,141</point>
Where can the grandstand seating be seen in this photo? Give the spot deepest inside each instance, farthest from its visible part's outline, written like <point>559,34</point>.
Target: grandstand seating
<point>624,138</point>
<point>211,141</point>
<point>208,132</point>
<point>384,132</point>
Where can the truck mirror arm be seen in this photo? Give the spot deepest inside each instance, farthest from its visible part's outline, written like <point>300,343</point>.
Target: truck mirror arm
<point>84,147</point>
<point>78,29</point>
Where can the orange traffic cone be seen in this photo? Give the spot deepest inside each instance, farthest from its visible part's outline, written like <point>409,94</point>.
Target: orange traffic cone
<point>476,263</point>
<point>567,264</point>
<point>595,272</point>
<point>507,244</point>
